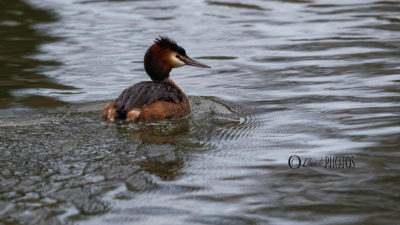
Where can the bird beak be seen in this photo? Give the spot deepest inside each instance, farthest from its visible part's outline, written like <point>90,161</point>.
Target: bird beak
<point>191,62</point>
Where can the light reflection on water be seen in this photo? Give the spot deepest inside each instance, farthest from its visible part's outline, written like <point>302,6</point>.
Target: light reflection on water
<point>288,78</point>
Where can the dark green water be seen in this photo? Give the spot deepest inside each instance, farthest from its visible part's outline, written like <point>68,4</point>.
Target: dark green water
<point>315,79</point>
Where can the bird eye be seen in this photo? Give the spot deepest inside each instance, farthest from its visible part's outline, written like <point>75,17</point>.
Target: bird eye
<point>177,56</point>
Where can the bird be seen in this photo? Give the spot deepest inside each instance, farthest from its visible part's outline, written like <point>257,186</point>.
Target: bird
<point>160,98</point>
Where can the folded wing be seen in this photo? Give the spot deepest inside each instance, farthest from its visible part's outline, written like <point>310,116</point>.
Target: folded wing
<point>145,93</point>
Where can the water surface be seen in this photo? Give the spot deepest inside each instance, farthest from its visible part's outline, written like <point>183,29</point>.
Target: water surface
<point>306,78</point>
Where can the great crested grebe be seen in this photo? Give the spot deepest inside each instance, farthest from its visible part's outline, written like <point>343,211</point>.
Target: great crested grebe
<point>157,99</point>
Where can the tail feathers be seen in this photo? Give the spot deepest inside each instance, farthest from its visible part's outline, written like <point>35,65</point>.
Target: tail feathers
<point>110,113</point>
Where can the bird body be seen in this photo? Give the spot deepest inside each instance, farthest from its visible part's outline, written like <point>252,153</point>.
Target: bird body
<point>157,99</point>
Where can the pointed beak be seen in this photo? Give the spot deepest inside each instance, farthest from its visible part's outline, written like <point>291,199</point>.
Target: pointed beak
<point>191,62</point>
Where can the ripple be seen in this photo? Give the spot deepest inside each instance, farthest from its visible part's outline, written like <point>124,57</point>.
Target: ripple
<point>80,160</point>
<point>236,5</point>
<point>217,57</point>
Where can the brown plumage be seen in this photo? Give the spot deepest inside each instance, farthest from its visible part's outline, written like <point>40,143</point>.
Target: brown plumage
<point>157,99</point>
<point>163,109</point>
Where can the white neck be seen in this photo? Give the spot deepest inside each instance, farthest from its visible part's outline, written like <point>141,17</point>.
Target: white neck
<point>172,82</point>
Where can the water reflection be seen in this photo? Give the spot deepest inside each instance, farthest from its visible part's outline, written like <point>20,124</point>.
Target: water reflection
<point>132,159</point>
<point>19,42</point>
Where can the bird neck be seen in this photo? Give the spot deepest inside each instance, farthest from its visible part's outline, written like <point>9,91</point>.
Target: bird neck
<point>157,72</point>
<point>172,82</point>
<point>156,64</point>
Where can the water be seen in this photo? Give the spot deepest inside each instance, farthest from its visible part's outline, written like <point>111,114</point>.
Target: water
<point>306,78</point>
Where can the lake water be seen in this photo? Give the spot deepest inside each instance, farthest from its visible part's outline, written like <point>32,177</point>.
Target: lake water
<point>316,80</point>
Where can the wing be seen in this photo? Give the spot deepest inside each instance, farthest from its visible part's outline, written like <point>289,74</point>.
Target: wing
<point>146,93</point>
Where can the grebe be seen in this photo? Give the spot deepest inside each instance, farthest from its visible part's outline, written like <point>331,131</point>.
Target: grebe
<point>160,98</point>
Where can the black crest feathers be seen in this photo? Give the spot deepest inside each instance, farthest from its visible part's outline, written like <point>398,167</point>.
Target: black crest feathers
<point>166,42</point>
